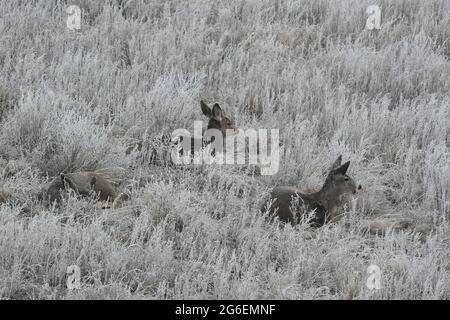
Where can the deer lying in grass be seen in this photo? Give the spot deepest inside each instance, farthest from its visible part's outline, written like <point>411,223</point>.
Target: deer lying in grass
<point>325,203</point>
<point>217,120</point>
<point>160,148</point>
<point>84,184</point>
<point>223,143</point>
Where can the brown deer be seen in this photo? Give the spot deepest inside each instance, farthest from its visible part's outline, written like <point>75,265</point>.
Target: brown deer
<point>217,118</point>
<point>289,204</point>
<point>84,183</point>
<point>217,121</point>
<point>159,148</point>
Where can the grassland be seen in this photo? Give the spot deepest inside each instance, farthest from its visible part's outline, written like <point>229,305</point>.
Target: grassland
<point>76,100</point>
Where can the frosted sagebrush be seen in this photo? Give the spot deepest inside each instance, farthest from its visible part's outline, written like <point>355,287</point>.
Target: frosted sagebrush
<point>136,71</point>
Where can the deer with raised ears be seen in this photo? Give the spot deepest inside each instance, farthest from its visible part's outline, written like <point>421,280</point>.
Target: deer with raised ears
<point>289,204</point>
<point>84,183</point>
<point>217,120</point>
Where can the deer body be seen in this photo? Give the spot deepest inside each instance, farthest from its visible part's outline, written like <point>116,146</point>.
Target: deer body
<point>289,204</point>
<point>84,183</point>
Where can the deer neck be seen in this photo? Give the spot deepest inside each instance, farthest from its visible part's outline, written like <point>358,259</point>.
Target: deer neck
<point>328,197</point>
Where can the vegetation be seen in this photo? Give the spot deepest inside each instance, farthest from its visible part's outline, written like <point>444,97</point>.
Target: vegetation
<point>77,100</point>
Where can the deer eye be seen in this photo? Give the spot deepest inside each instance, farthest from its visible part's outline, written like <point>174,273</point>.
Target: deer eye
<point>346,178</point>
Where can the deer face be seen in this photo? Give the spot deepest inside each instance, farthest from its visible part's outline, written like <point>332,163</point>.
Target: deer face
<point>338,182</point>
<point>344,184</point>
<point>217,118</point>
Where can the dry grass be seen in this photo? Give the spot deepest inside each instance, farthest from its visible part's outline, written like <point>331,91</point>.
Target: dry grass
<point>380,98</point>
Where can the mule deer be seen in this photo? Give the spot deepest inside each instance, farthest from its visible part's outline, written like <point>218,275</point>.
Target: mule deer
<point>233,145</point>
<point>159,148</point>
<point>217,118</point>
<point>84,183</point>
<point>325,203</point>
<point>217,121</point>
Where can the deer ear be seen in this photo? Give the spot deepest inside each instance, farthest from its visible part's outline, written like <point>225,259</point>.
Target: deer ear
<point>217,111</point>
<point>205,109</point>
<point>336,163</point>
<point>343,169</point>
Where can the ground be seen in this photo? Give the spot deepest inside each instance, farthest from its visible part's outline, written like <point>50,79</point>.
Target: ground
<point>77,100</point>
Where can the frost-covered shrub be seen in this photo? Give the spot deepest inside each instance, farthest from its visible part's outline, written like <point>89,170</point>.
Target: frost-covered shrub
<point>134,73</point>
